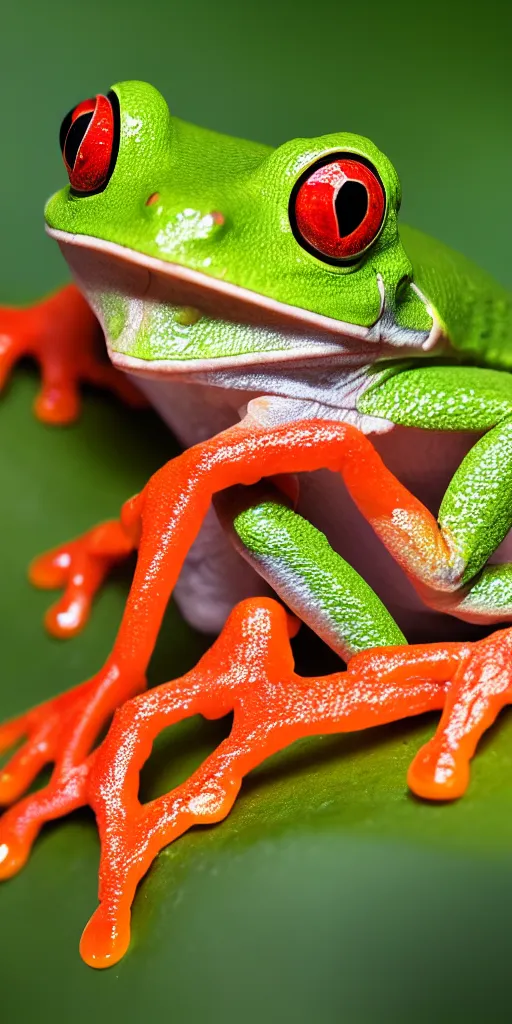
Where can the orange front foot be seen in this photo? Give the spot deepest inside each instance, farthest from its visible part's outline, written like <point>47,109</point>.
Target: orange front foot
<point>249,670</point>
<point>64,337</point>
<point>80,568</point>
<point>48,731</point>
<point>60,732</point>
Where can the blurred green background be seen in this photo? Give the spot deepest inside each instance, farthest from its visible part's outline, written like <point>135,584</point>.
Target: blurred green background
<point>330,895</point>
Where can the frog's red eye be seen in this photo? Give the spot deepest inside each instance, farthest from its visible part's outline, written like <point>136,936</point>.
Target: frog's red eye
<point>337,208</point>
<point>89,140</point>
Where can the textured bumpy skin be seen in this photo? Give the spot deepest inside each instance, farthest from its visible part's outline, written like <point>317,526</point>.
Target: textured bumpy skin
<point>206,202</point>
<point>165,254</point>
<point>197,172</point>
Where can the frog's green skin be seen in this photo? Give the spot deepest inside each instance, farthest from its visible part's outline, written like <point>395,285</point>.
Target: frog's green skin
<point>207,296</point>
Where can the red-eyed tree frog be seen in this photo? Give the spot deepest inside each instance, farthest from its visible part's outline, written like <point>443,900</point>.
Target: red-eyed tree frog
<point>268,305</point>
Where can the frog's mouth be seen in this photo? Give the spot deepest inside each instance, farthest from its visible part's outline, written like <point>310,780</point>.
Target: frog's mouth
<point>160,317</point>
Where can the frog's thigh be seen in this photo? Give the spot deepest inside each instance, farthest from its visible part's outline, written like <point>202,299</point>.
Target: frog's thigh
<point>214,578</point>
<point>476,511</point>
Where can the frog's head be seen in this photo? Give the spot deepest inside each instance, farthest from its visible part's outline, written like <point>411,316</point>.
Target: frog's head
<point>199,250</point>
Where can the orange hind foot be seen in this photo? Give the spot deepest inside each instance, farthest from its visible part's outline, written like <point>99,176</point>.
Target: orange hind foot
<point>249,670</point>
<point>64,337</point>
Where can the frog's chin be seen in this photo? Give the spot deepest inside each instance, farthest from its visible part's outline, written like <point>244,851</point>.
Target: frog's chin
<point>172,308</point>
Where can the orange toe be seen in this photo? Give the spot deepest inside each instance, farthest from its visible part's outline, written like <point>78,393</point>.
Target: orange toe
<point>437,774</point>
<point>105,940</point>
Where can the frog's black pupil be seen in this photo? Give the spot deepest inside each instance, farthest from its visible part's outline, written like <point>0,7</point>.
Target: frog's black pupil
<point>74,138</point>
<point>351,205</point>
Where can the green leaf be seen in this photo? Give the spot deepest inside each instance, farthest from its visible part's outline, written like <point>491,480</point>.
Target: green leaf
<point>329,894</point>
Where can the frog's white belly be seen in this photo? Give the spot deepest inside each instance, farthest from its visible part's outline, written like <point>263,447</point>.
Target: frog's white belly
<point>215,577</point>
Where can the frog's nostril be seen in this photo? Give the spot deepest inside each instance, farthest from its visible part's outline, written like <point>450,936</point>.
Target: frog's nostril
<point>153,198</point>
<point>218,218</point>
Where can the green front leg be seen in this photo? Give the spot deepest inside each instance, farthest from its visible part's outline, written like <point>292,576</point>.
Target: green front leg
<point>476,511</point>
<point>300,565</point>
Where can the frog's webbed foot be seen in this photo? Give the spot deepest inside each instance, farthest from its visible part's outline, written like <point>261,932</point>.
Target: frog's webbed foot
<point>46,732</point>
<point>79,567</point>
<point>481,687</point>
<point>249,670</point>
<point>63,336</point>
<point>61,732</point>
